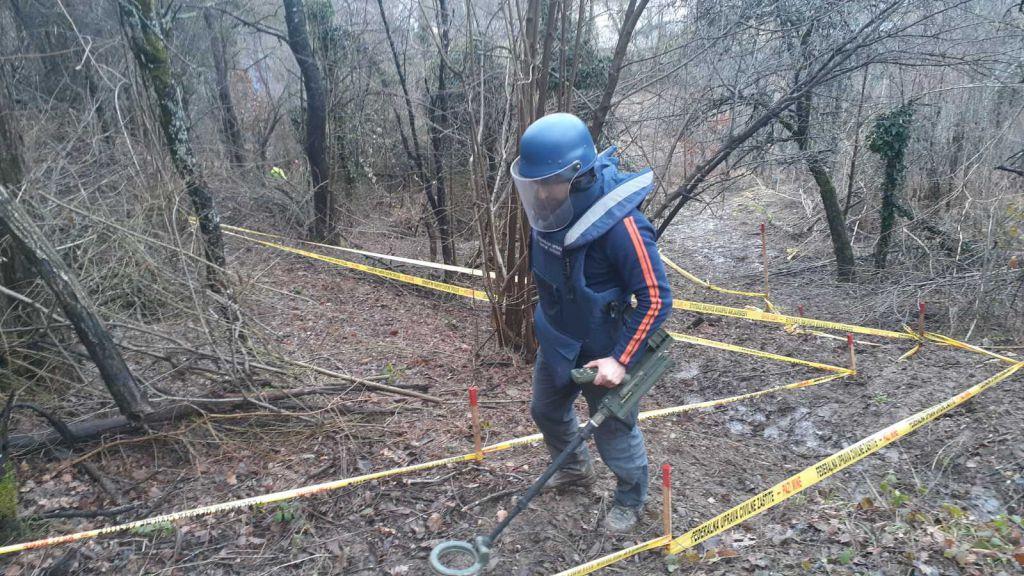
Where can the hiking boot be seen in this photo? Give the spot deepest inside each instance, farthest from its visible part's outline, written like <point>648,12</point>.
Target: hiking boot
<point>621,519</point>
<point>568,477</point>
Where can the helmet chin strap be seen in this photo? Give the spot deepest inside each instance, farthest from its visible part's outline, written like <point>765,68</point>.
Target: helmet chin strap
<point>583,181</point>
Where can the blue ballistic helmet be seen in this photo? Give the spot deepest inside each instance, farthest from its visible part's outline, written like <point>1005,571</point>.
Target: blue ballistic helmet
<point>552,151</point>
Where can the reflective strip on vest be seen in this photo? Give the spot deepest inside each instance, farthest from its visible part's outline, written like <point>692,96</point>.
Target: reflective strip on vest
<point>606,203</point>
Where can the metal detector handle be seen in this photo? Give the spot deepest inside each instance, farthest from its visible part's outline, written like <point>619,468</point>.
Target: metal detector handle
<point>583,375</point>
<point>588,375</point>
<point>622,401</point>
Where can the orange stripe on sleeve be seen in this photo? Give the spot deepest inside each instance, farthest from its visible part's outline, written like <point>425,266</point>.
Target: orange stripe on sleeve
<point>652,290</point>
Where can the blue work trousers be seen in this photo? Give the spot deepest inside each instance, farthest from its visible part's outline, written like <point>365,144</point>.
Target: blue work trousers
<point>621,445</point>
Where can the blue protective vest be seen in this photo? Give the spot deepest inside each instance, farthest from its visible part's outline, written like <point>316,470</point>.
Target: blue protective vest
<point>575,324</point>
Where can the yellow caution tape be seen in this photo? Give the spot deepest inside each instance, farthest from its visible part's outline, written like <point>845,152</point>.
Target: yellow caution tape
<point>947,341</point>
<point>688,305</point>
<point>682,272</point>
<point>746,313</point>
<point>407,278</point>
<point>722,401</point>
<point>679,304</point>
<point>790,329</point>
<point>910,353</point>
<point>346,482</point>
<point>614,557</point>
<point>413,261</point>
<point>507,444</point>
<point>758,353</point>
<point>481,295</point>
<point>761,316</point>
<point>232,505</point>
<point>706,284</point>
<point>965,346</point>
<point>801,481</point>
<point>829,466</point>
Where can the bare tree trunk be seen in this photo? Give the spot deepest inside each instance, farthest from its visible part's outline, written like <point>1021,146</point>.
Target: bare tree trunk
<point>12,172</point>
<point>328,51</point>
<point>514,313</point>
<point>145,29</point>
<point>816,165</point>
<point>570,95</point>
<point>12,163</point>
<point>563,58</point>
<point>324,228</point>
<point>633,12</point>
<point>504,231</point>
<point>228,117</point>
<point>10,527</point>
<point>438,128</point>
<point>434,189</point>
<point>854,154</point>
<point>432,240</point>
<point>45,261</point>
<point>100,108</point>
<point>527,107</point>
<point>410,112</point>
<point>841,247</point>
<point>545,61</point>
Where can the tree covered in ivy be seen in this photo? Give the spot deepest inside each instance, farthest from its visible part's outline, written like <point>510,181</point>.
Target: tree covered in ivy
<point>888,138</point>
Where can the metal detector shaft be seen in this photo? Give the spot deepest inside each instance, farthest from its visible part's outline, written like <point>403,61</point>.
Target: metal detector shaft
<point>618,402</point>
<point>480,549</point>
<point>585,433</point>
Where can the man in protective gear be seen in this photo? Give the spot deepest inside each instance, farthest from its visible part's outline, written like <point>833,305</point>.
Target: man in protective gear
<point>591,252</point>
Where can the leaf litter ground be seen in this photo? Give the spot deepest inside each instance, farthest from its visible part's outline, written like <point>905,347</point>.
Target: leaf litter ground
<point>946,500</point>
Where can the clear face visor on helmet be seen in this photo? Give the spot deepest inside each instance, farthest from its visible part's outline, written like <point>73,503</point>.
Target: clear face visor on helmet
<point>546,199</point>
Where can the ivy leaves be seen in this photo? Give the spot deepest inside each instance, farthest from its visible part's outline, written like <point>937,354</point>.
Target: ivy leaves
<point>890,133</point>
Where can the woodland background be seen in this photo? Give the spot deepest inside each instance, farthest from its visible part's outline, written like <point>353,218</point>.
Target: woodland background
<point>893,129</point>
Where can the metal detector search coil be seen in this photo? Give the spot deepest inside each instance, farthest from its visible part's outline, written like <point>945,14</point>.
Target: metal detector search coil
<point>479,551</point>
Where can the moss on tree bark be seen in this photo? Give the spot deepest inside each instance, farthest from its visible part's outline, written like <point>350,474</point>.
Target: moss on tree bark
<point>145,29</point>
<point>10,528</point>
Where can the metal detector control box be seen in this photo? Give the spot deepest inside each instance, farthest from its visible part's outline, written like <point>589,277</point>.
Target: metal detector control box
<point>621,400</point>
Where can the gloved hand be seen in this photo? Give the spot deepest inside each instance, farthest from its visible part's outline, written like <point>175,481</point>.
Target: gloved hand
<point>609,372</point>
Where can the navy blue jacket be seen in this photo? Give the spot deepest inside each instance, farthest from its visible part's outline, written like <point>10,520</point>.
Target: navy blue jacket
<point>588,273</point>
<point>628,256</point>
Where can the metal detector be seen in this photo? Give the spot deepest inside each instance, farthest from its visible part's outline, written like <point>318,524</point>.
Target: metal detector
<point>619,402</point>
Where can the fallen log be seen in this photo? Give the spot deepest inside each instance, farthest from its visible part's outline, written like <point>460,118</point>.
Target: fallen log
<point>363,382</point>
<point>92,429</point>
<point>34,247</point>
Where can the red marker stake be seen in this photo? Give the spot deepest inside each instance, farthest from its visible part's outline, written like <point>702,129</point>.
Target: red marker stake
<point>920,318</point>
<point>853,353</point>
<point>764,257</point>
<point>800,310</point>
<point>666,498</point>
<point>474,411</point>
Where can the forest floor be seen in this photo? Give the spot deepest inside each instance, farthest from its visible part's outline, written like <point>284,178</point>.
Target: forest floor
<point>940,501</point>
